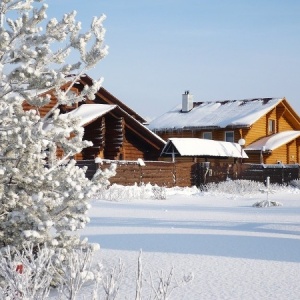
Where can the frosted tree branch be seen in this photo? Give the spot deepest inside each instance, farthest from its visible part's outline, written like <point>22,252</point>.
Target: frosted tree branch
<point>44,196</point>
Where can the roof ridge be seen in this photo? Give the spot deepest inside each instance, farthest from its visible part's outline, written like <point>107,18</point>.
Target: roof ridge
<point>240,100</point>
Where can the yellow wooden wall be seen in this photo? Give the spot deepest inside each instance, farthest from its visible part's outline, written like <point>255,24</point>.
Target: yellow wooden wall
<point>292,152</point>
<point>283,124</point>
<point>257,131</point>
<point>278,155</point>
<point>287,154</point>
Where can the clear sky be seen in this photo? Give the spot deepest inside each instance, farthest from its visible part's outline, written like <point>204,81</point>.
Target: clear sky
<point>216,49</point>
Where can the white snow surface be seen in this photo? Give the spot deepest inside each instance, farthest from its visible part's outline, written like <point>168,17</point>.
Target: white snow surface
<point>274,141</point>
<point>203,147</point>
<point>86,113</point>
<point>219,114</point>
<point>234,250</point>
<point>89,112</point>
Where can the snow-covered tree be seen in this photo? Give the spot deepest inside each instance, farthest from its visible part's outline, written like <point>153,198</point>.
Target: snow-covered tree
<point>43,198</point>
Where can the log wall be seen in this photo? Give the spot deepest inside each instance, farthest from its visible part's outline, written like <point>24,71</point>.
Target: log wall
<point>94,132</point>
<point>114,137</point>
<point>283,122</point>
<point>258,130</point>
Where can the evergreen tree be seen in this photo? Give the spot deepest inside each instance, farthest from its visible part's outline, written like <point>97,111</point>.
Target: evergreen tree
<point>43,198</point>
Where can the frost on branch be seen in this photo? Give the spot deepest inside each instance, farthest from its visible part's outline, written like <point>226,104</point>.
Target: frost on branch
<point>24,274</point>
<point>29,273</point>
<point>75,272</point>
<point>44,197</point>
<point>28,62</point>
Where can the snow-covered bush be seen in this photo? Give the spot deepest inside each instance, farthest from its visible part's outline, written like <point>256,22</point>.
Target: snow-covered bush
<point>295,183</point>
<point>117,192</point>
<point>27,273</point>
<point>44,198</point>
<point>159,192</point>
<point>162,285</point>
<point>235,187</point>
<point>239,187</point>
<point>28,276</point>
<point>266,203</point>
<point>74,271</point>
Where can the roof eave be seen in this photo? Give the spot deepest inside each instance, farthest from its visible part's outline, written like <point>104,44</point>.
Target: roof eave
<point>191,128</point>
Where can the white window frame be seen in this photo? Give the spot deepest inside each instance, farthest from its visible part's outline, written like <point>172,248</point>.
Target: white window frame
<point>226,137</point>
<point>207,137</point>
<point>271,126</point>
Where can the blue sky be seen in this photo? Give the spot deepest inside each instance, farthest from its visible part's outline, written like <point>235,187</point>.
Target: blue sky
<point>216,49</point>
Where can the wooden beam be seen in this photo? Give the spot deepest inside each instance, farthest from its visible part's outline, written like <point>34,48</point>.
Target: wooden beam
<point>142,136</point>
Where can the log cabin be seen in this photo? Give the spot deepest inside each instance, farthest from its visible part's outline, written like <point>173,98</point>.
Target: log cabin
<point>116,131</point>
<point>268,129</point>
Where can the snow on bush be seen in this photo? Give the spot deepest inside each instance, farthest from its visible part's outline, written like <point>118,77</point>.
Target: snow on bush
<point>266,203</point>
<point>29,274</point>
<point>147,191</point>
<point>26,274</point>
<point>295,183</point>
<point>240,187</point>
<point>117,192</point>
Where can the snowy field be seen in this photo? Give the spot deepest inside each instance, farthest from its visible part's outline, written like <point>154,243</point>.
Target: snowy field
<point>233,250</point>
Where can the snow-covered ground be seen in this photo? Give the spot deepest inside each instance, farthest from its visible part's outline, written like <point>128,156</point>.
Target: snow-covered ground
<point>233,250</point>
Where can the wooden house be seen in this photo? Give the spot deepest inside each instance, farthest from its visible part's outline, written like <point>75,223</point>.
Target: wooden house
<point>117,132</point>
<point>267,128</point>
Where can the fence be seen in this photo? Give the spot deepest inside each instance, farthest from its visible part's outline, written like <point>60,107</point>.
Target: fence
<point>189,173</point>
<point>278,173</point>
<point>154,172</point>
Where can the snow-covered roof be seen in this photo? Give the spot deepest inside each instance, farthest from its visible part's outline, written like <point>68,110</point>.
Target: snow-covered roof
<point>203,147</point>
<point>273,141</point>
<point>89,112</point>
<point>219,114</point>
<point>86,114</point>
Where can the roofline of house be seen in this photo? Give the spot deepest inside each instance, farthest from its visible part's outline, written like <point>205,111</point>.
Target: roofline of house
<point>292,112</point>
<point>191,128</point>
<point>112,99</point>
<point>140,129</point>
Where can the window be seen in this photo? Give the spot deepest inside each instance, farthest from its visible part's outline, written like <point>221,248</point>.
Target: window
<point>229,136</point>
<point>207,135</point>
<point>271,126</point>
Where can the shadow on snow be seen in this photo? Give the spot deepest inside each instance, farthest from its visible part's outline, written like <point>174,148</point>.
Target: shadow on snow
<point>229,245</point>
